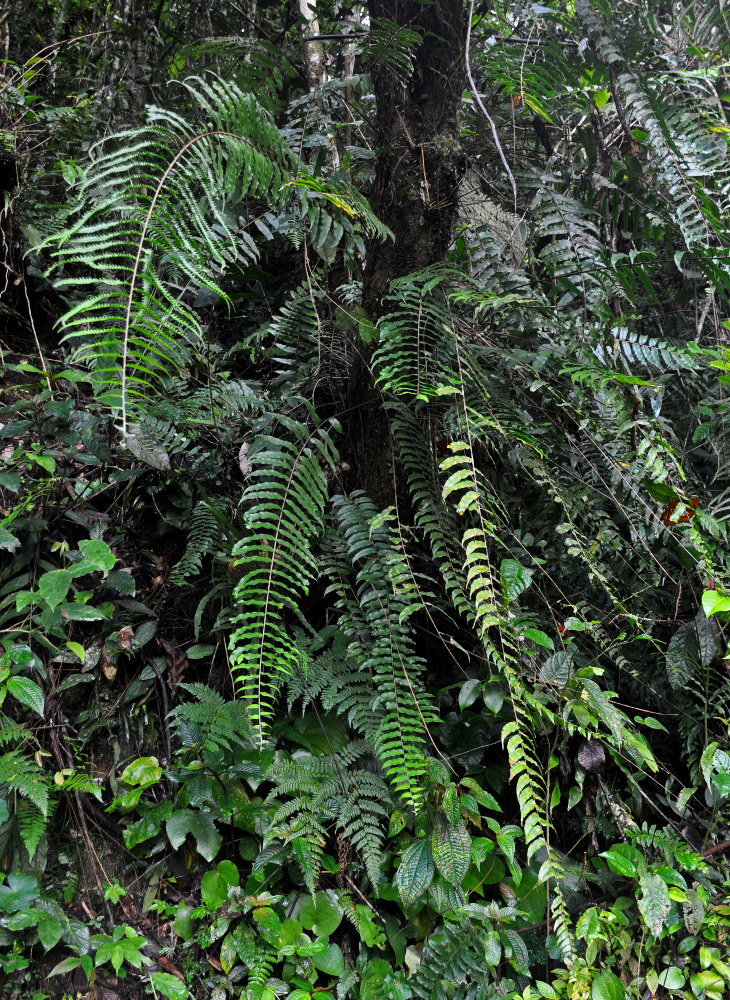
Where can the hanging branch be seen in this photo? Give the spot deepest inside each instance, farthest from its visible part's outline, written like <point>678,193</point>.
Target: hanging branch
<point>484,111</point>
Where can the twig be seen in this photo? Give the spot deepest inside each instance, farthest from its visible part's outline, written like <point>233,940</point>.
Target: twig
<point>619,107</point>
<point>165,709</point>
<point>716,849</point>
<point>484,111</point>
<point>35,338</point>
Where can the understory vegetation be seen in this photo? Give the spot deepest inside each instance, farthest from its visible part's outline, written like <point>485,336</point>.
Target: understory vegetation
<point>364,496</point>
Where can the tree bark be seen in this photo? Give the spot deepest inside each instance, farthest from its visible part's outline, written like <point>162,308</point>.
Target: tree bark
<point>313,50</point>
<point>419,162</point>
<point>418,169</point>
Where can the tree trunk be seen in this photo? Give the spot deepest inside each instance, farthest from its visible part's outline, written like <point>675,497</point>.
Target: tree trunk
<point>418,169</point>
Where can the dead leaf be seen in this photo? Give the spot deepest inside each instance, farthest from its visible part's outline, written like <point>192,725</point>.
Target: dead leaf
<point>243,461</point>
<point>166,964</point>
<point>108,666</point>
<point>591,756</point>
<point>125,637</point>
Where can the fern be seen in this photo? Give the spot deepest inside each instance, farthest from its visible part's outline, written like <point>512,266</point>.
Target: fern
<point>204,534</point>
<point>211,723</point>
<point>283,517</point>
<point>328,789</point>
<point>401,704</point>
<point>137,327</point>
<point>389,48</point>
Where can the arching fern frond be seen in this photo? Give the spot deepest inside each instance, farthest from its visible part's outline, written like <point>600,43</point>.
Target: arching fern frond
<point>156,219</point>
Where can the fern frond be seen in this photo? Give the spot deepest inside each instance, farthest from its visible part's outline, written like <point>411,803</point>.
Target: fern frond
<point>21,774</point>
<point>389,48</point>
<point>402,705</point>
<point>204,535</point>
<point>155,219</point>
<point>210,723</point>
<point>283,517</point>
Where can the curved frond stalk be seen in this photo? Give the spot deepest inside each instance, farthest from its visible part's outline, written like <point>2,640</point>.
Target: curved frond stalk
<point>284,516</point>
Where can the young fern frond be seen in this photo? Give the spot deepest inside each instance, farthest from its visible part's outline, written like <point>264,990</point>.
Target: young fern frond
<point>283,518</point>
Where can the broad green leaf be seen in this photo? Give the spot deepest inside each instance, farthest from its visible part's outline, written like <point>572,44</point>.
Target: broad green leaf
<point>144,770</point>
<point>122,582</point>
<point>492,948</point>
<point>713,602</point>
<point>330,961</point>
<point>415,871</point>
<point>451,845</point>
<point>623,859</point>
<point>672,978</point>
<point>199,652</point>
<point>556,669</point>
<point>214,889</point>
<point>720,781</point>
<point>514,578</point>
<point>149,824</point>
<point>654,903</point>
<point>77,649</point>
<point>98,553</point>
<point>200,825</point>
<point>228,954</point>
<point>517,946</point>
<point>538,636</point>
<point>54,586</point>
<point>588,924</point>
<point>607,986</point>
<point>10,481</point>
<point>146,450</point>
<point>8,541</point>
<point>27,692</point>
<point>269,923</point>
<point>83,613</point>
<point>169,986</point>
<point>50,930</point>
<point>469,692</point>
<point>46,462</point>
<point>182,925</point>
<point>18,892</point>
<point>682,656</point>
<point>65,966</point>
<point>320,914</point>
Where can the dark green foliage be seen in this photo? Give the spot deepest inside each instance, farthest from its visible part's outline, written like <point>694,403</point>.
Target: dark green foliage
<point>425,564</point>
